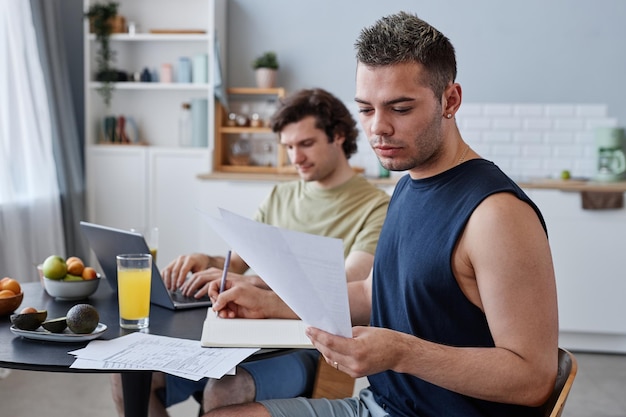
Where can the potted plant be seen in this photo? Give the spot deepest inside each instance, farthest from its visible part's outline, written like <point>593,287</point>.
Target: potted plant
<point>101,16</point>
<point>265,67</point>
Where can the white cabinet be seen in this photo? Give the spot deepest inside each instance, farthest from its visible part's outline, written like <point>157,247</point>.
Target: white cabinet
<point>135,187</point>
<point>117,185</point>
<point>174,197</point>
<point>132,185</point>
<point>588,251</point>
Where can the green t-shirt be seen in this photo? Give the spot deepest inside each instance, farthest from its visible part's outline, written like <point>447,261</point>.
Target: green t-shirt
<point>353,212</point>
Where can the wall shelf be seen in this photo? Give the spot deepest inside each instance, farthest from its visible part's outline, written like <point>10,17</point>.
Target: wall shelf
<point>156,37</point>
<point>129,85</point>
<point>265,155</point>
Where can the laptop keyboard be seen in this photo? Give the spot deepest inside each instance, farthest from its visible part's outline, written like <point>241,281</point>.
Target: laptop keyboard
<point>178,297</point>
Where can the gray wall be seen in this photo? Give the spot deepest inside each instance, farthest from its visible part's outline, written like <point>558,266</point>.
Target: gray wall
<point>530,51</point>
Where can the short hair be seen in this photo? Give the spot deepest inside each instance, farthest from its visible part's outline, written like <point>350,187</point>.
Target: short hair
<point>403,37</point>
<point>331,116</point>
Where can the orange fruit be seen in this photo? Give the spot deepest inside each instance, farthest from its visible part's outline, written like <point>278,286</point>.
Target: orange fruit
<point>75,266</point>
<point>7,294</point>
<point>73,258</point>
<point>89,273</point>
<point>11,284</point>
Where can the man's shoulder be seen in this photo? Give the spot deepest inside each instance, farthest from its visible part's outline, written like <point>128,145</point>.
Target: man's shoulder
<point>361,184</point>
<point>357,186</point>
<point>287,186</point>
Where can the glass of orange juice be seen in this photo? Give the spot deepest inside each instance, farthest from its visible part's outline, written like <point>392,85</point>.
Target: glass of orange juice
<point>134,273</point>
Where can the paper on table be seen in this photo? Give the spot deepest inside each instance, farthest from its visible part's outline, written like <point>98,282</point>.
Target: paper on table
<point>182,357</point>
<point>307,271</point>
<point>80,363</point>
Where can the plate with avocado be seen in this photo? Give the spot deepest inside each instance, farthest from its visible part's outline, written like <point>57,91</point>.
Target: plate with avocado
<point>65,336</point>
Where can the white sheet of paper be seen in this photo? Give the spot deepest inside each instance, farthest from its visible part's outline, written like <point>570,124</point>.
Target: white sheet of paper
<point>181,357</point>
<point>307,271</point>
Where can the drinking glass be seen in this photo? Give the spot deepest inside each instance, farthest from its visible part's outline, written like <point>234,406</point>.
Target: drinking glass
<point>134,273</point>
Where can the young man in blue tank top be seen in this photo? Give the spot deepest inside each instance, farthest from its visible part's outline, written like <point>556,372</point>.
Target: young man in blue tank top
<point>459,314</point>
<point>330,199</point>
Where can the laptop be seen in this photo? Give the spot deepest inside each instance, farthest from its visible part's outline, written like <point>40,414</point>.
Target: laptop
<point>107,242</point>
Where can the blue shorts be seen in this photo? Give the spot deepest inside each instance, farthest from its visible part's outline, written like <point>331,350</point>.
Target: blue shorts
<point>178,389</point>
<point>284,376</point>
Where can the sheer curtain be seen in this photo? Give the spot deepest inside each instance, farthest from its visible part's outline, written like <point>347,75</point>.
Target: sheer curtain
<point>30,212</point>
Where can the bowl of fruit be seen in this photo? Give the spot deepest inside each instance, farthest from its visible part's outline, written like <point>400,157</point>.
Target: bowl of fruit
<point>11,295</point>
<point>69,279</point>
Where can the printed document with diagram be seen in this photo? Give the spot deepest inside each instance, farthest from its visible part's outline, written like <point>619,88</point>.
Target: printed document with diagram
<point>306,271</point>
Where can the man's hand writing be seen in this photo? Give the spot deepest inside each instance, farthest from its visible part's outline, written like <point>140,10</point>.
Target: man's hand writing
<point>243,299</point>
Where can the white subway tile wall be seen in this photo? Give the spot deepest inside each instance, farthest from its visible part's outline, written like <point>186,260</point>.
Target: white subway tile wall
<point>535,140</point>
<point>524,140</point>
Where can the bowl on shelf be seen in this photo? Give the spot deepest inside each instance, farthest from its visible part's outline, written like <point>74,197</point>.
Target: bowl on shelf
<point>71,290</point>
<point>9,304</point>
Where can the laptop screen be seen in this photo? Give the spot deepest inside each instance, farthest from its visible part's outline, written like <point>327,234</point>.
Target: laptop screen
<point>108,242</point>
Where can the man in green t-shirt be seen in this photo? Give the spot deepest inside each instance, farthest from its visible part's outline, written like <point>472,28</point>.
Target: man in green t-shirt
<point>330,199</point>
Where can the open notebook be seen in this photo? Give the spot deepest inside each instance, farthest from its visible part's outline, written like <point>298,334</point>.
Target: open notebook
<point>261,333</point>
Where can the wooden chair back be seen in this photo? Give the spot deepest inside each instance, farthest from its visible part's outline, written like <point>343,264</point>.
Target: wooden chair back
<point>568,366</point>
<point>331,383</point>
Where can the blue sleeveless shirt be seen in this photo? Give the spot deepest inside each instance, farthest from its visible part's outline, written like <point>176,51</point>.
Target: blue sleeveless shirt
<point>414,290</point>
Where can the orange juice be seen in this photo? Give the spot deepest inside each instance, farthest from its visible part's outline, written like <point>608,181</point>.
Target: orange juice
<point>134,293</point>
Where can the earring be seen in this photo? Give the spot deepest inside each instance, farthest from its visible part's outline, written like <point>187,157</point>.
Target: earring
<point>449,115</point>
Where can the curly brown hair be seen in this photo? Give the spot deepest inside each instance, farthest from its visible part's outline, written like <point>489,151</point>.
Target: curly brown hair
<point>331,116</point>
<point>403,37</point>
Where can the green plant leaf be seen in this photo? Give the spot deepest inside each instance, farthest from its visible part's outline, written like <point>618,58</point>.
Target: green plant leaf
<point>99,15</point>
<point>267,60</point>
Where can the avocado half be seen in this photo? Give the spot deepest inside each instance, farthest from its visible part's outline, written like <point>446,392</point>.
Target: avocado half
<point>29,321</point>
<point>55,325</point>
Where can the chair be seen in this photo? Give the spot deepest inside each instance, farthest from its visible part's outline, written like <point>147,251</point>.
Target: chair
<point>564,380</point>
<point>331,383</point>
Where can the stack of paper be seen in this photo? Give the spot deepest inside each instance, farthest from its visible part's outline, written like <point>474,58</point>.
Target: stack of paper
<point>180,357</point>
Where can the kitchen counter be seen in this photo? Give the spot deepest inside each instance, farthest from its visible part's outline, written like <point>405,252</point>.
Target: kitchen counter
<point>574,185</point>
<point>538,183</point>
<point>243,177</point>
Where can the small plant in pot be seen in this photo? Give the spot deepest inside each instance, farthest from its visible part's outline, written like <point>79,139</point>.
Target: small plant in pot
<point>265,67</point>
<point>100,17</point>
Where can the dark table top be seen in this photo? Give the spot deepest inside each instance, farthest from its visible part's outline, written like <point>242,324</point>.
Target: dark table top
<point>27,354</point>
